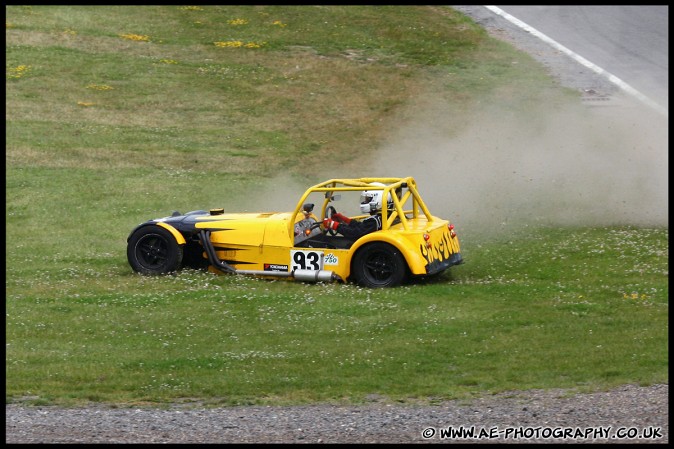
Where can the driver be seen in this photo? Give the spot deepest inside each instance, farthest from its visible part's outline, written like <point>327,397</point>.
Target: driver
<point>370,202</point>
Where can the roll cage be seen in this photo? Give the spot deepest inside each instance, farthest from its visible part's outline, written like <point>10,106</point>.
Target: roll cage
<point>403,191</point>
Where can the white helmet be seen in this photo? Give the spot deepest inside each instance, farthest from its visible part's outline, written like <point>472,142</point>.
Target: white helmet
<point>371,200</point>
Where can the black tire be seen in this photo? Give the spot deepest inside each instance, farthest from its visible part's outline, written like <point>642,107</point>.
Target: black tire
<point>152,250</point>
<point>378,265</point>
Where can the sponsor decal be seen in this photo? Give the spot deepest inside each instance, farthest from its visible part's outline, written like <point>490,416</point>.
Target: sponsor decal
<point>331,259</point>
<point>441,250</point>
<point>275,267</point>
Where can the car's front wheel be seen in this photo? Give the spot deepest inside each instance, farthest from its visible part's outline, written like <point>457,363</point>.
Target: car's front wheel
<point>379,264</point>
<point>152,250</point>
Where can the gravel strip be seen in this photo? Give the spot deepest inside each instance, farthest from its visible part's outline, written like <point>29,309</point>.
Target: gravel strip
<point>516,417</point>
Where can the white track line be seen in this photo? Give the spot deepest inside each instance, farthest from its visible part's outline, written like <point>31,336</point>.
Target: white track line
<point>612,78</point>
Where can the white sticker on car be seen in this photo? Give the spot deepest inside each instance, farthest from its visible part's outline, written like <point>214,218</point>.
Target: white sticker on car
<point>307,260</point>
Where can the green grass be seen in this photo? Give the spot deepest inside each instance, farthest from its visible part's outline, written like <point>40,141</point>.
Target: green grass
<point>535,313</point>
<point>104,132</point>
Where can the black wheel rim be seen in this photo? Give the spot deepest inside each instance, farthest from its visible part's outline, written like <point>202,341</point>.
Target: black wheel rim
<point>379,267</point>
<point>152,251</point>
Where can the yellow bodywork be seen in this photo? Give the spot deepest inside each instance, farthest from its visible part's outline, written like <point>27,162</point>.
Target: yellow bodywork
<point>265,241</point>
<point>176,234</point>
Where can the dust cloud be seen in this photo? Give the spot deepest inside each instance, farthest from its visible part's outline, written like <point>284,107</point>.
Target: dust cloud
<point>569,164</point>
<point>505,168</point>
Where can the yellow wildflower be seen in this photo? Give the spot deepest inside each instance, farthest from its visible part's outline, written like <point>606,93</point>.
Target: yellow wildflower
<point>135,37</point>
<point>237,22</point>
<point>230,44</point>
<point>99,87</point>
<point>237,44</point>
<point>17,72</point>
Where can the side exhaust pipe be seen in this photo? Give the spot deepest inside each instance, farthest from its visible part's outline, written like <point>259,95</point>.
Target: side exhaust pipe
<point>205,237</point>
<point>316,276</point>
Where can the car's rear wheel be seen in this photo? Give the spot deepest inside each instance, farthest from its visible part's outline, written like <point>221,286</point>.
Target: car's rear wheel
<point>379,264</point>
<point>152,250</point>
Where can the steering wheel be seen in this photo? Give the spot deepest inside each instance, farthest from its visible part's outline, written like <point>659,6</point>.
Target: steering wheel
<point>329,212</point>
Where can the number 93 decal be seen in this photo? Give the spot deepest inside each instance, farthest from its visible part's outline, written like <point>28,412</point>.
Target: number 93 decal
<point>307,260</point>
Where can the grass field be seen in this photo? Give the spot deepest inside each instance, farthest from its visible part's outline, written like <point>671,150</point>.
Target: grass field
<point>118,114</point>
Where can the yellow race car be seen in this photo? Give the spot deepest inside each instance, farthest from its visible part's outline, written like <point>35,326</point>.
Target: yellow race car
<point>385,236</point>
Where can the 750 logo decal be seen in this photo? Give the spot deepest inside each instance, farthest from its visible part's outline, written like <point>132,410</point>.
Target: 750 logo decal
<point>331,259</point>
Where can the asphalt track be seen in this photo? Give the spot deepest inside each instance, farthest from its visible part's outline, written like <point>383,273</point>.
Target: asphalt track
<point>626,46</point>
